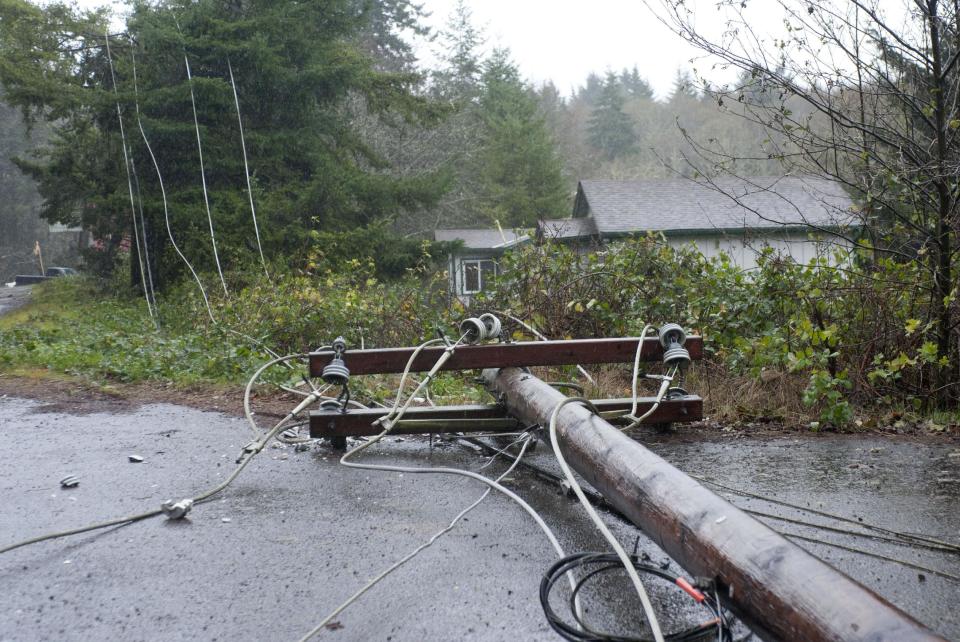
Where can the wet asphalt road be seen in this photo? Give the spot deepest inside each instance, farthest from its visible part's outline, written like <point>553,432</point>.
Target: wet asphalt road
<point>297,534</point>
<point>13,298</point>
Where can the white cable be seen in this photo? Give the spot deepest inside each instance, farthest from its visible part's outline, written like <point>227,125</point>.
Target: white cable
<point>203,175</point>
<point>126,166</point>
<point>146,245</point>
<point>664,386</point>
<point>396,414</point>
<point>406,558</point>
<point>621,553</point>
<point>247,412</point>
<point>539,335</point>
<point>163,194</point>
<point>246,168</point>
<point>636,367</point>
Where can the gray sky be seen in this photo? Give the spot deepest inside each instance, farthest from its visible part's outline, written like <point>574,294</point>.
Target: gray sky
<point>564,40</point>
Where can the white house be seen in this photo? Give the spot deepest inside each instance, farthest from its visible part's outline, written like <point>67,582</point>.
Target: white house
<point>476,262</point>
<point>797,216</point>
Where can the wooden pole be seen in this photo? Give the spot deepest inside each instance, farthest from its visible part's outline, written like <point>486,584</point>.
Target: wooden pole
<point>778,589</point>
<point>39,254</point>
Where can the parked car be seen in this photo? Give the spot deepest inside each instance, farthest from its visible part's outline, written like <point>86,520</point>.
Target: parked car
<point>60,271</point>
<point>50,273</point>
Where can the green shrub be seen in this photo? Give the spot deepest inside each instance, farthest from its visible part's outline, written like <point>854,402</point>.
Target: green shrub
<point>854,330</point>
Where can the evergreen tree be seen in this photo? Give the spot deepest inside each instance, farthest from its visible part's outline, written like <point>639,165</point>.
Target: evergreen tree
<point>635,85</point>
<point>610,130</point>
<point>18,216</point>
<point>462,58</point>
<point>683,87</point>
<point>519,164</point>
<point>592,89</point>
<point>295,64</point>
<point>383,32</point>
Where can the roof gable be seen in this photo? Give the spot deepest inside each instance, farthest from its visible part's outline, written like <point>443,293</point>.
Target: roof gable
<point>680,204</point>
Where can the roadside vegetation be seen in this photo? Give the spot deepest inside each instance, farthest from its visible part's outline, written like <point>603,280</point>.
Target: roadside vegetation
<point>811,346</point>
<point>330,154</point>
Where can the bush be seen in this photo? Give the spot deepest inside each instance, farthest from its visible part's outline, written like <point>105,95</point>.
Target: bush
<point>819,341</point>
<point>854,334</point>
<point>76,328</point>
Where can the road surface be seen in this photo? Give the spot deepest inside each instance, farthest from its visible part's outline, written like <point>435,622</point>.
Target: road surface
<point>297,533</point>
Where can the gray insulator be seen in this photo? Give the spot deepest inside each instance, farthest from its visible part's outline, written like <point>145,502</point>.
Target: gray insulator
<point>329,404</point>
<point>675,355</point>
<point>491,325</point>
<point>474,330</point>
<point>70,481</point>
<point>176,510</point>
<point>291,433</point>
<point>339,345</point>
<point>671,333</point>
<point>336,373</point>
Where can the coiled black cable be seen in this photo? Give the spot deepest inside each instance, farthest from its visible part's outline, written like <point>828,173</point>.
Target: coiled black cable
<point>717,627</point>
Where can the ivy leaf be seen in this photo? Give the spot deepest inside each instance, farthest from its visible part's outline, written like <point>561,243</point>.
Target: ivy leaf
<point>928,352</point>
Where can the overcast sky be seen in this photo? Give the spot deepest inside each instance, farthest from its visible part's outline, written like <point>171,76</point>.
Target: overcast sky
<point>564,40</point>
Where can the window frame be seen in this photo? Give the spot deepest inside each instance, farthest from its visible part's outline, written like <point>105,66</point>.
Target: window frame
<point>478,262</point>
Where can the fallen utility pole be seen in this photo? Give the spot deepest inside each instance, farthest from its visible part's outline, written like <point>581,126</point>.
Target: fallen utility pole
<point>778,589</point>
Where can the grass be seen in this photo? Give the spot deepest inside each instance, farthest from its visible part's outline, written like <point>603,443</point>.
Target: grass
<point>70,328</point>
<point>73,330</point>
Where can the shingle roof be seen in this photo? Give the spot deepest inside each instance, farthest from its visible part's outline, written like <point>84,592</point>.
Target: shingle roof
<point>481,239</point>
<point>679,204</point>
<point>566,228</point>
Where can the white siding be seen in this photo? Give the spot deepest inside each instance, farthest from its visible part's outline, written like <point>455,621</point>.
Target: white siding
<point>743,250</point>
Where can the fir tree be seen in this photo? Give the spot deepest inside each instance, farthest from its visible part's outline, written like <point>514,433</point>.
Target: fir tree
<point>519,164</point>
<point>296,65</point>
<point>684,87</point>
<point>610,130</point>
<point>635,85</point>
<point>462,57</point>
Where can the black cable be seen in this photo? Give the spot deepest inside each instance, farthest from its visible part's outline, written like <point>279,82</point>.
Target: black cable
<point>717,626</point>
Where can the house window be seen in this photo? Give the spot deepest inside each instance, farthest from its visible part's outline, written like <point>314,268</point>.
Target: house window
<point>477,274</point>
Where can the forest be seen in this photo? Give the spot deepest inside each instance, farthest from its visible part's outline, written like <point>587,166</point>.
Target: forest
<point>364,136</point>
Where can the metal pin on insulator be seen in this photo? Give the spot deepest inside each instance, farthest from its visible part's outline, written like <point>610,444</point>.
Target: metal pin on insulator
<point>176,510</point>
<point>672,338</point>
<point>473,330</point>
<point>336,373</point>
